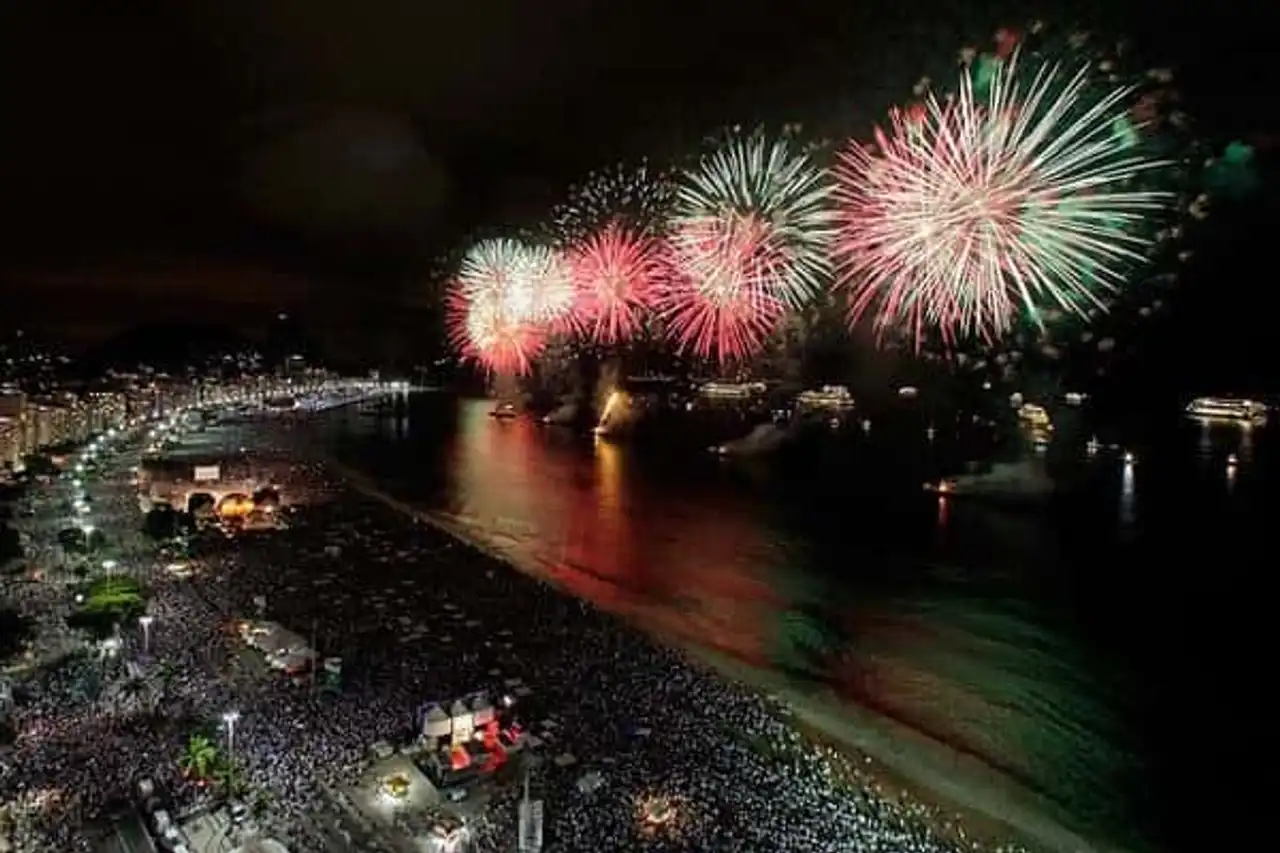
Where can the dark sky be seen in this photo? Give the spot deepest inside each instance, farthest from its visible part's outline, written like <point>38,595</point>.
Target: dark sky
<point>169,158</point>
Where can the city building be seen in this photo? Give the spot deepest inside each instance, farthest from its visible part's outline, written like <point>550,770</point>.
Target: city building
<point>11,447</point>
<point>13,430</point>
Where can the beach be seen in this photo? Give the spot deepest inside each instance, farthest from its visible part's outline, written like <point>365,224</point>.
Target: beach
<point>969,798</point>
<point>685,760</point>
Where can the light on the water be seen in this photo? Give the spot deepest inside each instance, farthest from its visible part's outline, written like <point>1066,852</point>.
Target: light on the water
<point>1127,492</point>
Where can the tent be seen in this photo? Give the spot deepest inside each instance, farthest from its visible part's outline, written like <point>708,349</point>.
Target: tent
<point>463,721</point>
<point>436,723</point>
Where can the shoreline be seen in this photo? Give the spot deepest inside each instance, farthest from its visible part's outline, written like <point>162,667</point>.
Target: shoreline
<point>917,766</point>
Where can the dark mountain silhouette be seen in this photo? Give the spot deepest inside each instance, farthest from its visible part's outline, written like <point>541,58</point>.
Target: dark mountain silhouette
<point>165,347</point>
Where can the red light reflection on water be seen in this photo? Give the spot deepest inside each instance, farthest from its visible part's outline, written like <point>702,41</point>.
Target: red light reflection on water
<point>574,516</point>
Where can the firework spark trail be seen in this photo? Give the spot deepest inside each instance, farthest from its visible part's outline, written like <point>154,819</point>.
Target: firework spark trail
<point>639,197</point>
<point>749,240</point>
<point>974,209</point>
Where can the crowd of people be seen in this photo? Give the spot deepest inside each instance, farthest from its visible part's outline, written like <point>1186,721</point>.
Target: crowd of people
<point>416,616</point>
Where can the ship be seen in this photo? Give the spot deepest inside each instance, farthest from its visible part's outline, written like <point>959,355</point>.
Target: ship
<point>1023,485</point>
<point>731,390</point>
<point>762,440</point>
<point>1035,417</point>
<point>828,397</point>
<point>1227,409</point>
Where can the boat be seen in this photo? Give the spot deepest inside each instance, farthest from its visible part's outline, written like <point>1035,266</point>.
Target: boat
<point>763,439</point>
<point>1035,417</point>
<point>504,411</point>
<point>1227,409</point>
<point>563,415</point>
<point>731,390</point>
<point>1018,484</point>
<point>831,397</point>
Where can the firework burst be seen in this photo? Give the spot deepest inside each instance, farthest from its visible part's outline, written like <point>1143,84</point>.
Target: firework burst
<point>974,208</point>
<point>484,329</point>
<point>505,297</point>
<point>617,273</point>
<point>639,197</point>
<point>749,240</point>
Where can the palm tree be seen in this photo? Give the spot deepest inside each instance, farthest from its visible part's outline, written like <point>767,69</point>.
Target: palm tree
<point>226,777</point>
<point>200,758</point>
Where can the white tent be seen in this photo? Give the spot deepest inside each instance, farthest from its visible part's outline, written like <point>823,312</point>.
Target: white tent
<point>463,722</point>
<point>436,723</point>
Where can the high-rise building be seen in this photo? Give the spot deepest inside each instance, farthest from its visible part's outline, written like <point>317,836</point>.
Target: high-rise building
<point>11,446</point>
<point>14,440</point>
<point>12,402</point>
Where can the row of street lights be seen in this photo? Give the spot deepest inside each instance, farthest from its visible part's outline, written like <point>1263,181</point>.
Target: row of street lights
<point>109,566</point>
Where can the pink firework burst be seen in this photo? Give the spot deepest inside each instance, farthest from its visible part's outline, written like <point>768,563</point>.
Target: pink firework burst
<point>1019,196</point>
<point>485,330</point>
<point>713,303</point>
<point>749,239</point>
<point>617,273</point>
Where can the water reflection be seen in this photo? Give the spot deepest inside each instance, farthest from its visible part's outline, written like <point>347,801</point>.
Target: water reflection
<point>977,626</point>
<point>1127,514</point>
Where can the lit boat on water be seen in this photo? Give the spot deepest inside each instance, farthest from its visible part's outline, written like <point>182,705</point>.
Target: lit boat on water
<point>1227,409</point>
<point>504,411</point>
<point>1035,416</point>
<point>832,397</point>
<point>731,390</point>
<point>1023,484</point>
<point>1037,423</point>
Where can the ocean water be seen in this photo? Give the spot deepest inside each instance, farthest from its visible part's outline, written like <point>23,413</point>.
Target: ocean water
<point>1103,650</point>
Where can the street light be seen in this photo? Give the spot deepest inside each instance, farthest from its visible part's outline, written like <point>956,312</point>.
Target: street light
<point>230,718</point>
<point>145,621</point>
<point>108,566</point>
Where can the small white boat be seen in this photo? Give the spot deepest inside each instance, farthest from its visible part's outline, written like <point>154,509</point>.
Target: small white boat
<point>716,389</point>
<point>1018,484</point>
<point>1227,409</point>
<point>828,397</point>
<point>763,439</point>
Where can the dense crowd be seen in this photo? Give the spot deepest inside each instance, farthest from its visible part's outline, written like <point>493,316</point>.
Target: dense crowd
<point>416,616</point>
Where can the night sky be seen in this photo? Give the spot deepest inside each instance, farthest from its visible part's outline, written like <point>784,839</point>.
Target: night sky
<point>230,158</point>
